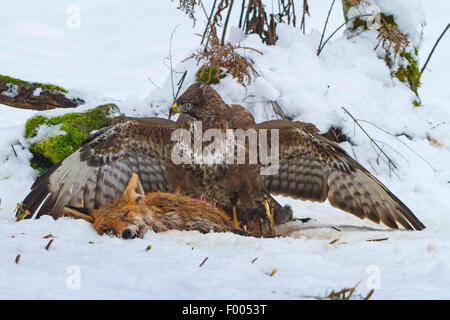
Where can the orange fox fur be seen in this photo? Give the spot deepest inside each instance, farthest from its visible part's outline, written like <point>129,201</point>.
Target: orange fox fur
<point>136,213</point>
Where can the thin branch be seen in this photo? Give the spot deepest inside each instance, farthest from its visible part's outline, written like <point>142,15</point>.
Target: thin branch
<point>278,111</point>
<point>242,14</point>
<point>170,59</point>
<point>411,149</point>
<point>226,23</point>
<point>153,83</point>
<point>14,150</point>
<point>204,10</point>
<point>337,29</point>
<point>305,11</point>
<point>434,47</point>
<point>371,139</point>
<point>325,27</point>
<point>209,21</point>
<point>180,84</point>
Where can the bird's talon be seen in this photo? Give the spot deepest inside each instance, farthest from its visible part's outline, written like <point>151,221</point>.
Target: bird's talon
<point>235,221</point>
<point>269,217</point>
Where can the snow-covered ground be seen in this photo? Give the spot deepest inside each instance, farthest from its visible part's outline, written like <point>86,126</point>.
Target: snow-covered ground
<point>110,58</point>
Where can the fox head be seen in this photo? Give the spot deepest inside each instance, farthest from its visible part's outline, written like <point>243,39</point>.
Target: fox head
<point>126,217</point>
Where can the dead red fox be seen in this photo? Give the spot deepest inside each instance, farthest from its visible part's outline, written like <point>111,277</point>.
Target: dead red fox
<point>136,213</point>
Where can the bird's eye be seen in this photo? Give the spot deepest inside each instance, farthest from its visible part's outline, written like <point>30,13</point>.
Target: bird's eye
<point>187,105</point>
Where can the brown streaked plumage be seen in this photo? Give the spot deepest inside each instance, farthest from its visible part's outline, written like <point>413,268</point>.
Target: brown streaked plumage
<point>314,168</point>
<point>311,168</point>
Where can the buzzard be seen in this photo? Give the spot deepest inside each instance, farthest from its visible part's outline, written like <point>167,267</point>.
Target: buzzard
<point>311,167</point>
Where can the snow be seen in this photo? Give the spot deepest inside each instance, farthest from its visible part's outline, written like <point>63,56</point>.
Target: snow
<point>12,91</point>
<point>45,131</point>
<point>110,58</point>
<point>37,92</point>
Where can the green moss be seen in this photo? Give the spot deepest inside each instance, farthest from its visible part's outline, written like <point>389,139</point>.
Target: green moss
<point>410,73</point>
<point>46,87</point>
<point>76,127</point>
<point>51,88</point>
<point>210,75</point>
<point>32,125</point>
<point>358,22</point>
<point>12,80</point>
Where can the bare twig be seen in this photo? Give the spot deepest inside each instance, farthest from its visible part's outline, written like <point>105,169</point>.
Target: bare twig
<point>170,59</point>
<point>153,83</point>
<point>305,12</point>
<point>325,28</point>
<point>209,21</point>
<point>337,29</point>
<point>14,150</point>
<point>222,41</point>
<point>278,111</point>
<point>180,84</point>
<point>389,160</point>
<point>203,8</point>
<point>201,264</point>
<point>380,239</point>
<point>242,13</point>
<point>434,47</point>
<point>396,137</point>
<point>48,245</point>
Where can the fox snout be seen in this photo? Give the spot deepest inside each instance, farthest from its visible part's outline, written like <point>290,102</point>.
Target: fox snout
<point>126,234</point>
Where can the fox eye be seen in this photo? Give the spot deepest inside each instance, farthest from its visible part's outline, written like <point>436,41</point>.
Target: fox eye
<point>125,215</point>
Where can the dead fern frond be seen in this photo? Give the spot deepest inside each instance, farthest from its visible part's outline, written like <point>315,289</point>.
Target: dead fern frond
<point>286,12</point>
<point>390,36</point>
<point>256,21</point>
<point>344,294</point>
<point>188,6</point>
<point>215,56</point>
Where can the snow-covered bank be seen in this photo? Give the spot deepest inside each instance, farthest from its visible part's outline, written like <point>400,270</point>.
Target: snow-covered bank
<point>115,60</point>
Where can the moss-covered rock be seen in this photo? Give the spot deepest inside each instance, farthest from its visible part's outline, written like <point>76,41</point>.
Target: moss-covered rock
<point>409,73</point>
<point>48,87</point>
<point>209,75</point>
<point>405,68</point>
<point>71,130</point>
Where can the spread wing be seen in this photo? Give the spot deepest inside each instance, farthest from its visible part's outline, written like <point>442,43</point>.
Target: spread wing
<point>98,172</point>
<point>315,168</point>
<point>240,117</point>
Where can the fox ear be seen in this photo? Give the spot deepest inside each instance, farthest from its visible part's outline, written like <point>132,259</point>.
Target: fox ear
<point>82,213</point>
<point>134,192</point>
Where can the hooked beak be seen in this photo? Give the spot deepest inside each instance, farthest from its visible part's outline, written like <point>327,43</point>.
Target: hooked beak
<point>175,109</point>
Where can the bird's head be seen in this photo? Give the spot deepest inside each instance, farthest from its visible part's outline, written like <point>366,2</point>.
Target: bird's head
<point>200,101</point>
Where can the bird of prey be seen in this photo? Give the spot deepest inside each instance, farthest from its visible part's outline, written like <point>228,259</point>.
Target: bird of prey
<point>311,167</point>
